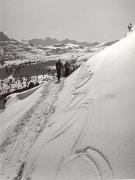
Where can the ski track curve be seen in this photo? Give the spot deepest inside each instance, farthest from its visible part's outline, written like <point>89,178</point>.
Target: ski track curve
<point>21,135</point>
<point>97,164</point>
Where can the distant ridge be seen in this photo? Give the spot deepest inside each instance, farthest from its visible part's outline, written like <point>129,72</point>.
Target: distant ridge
<point>50,41</point>
<point>3,37</point>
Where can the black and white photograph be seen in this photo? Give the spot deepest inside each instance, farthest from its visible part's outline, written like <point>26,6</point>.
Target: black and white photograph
<point>67,89</point>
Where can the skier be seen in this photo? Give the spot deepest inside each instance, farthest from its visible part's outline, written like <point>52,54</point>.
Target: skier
<point>67,69</point>
<point>130,27</point>
<point>59,69</point>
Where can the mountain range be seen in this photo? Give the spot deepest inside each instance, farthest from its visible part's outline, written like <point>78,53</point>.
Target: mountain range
<point>52,41</point>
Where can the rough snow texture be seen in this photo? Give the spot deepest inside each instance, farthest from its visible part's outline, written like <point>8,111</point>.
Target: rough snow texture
<point>22,132</point>
<point>90,135</point>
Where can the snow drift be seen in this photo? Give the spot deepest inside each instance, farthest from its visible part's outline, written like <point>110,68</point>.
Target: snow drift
<point>91,135</point>
<point>17,105</point>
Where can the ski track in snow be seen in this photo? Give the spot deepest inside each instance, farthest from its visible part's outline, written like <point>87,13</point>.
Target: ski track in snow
<point>84,75</point>
<point>91,156</point>
<point>21,135</point>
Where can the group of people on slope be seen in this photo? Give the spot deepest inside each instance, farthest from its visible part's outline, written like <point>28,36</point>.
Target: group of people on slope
<point>62,69</point>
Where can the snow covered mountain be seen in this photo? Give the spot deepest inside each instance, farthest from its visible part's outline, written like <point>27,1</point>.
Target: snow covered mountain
<point>18,52</point>
<point>15,52</point>
<point>52,41</point>
<point>80,128</point>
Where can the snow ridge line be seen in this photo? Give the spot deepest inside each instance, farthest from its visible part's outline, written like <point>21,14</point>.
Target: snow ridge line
<point>15,147</point>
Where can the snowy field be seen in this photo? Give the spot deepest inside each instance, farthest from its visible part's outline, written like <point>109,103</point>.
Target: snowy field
<point>79,129</point>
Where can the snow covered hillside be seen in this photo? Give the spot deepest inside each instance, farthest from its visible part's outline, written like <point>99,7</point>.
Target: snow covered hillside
<point>81,128</point>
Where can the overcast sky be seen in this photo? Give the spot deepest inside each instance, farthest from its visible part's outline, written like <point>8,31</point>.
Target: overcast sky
<point>82,20</point>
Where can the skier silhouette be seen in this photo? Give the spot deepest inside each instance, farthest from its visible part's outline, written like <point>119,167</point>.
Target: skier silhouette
<point>59,69</point>
<point>67,68</point>
<point>130,27</point>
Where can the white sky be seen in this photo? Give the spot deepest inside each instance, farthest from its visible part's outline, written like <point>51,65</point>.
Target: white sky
<point>82,20</point>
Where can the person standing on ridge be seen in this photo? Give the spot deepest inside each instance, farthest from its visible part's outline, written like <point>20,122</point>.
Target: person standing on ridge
<point>130,27</point>
<point>67,69</point>
<point>59,69</point>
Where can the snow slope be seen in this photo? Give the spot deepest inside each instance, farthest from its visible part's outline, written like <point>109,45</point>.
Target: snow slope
<point>92,132</point>
<point>32,111</point>
<point>87,128</point>
<point>17,105</point>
